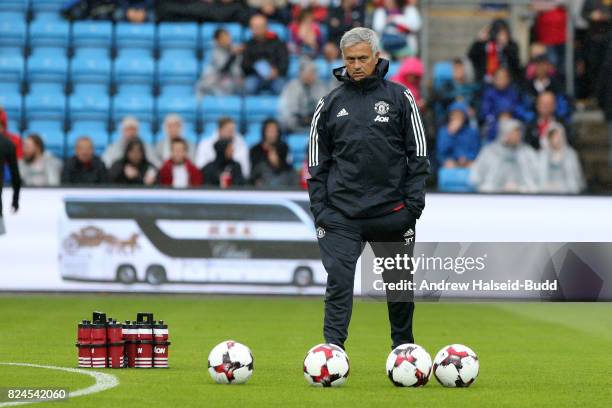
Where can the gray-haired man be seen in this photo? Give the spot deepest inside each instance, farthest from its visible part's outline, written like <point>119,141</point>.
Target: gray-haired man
<point>368,164</point>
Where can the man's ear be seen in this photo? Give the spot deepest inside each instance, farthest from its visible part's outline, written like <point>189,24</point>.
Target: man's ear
<point>377,56</point>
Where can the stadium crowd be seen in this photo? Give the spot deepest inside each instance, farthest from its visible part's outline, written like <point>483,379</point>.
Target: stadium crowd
<point>509,124</point>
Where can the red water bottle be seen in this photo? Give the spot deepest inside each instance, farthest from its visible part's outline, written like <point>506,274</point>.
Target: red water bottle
<point>144,347</point>
<point>114,336</point>
<point>130,337</point>
<point>84,343</point>
<point>98,345</point>
<point>160,345</point>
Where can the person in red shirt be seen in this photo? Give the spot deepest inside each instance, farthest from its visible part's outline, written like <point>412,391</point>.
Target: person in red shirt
<point>550,29</point>
<point>13,137</point>
<point>179,171</point>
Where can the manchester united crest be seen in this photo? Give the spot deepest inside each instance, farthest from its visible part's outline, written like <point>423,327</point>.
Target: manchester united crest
<point>381,107</point>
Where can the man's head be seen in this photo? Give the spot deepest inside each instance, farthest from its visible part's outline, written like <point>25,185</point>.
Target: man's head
<point>511,132</point>
<point>83,149</point>
<point>33,147</point>
<point>270,131</point>
<point>227,128</point>
<point>542,67</point>
<point>259,26</point>
<point>173,126</point>
<point>308,72</point>
<point>546,104</point>
<point>331,52</point>
<point>360,52</point>
<point>134,152</point>
<point>223,38</point>
<point>502,79</point>
<point>129,128</point>
<point>178,153</point>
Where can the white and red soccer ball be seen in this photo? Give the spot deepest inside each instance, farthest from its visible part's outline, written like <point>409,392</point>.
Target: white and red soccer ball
<point>230,362</point>
<point>409,365</point>
<point>326,365</point>
<point>456,365</point>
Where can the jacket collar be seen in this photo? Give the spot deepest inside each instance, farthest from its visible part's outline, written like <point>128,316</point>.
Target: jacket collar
<point>372,81</point>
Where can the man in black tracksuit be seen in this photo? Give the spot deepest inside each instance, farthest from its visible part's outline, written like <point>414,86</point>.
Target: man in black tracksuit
<point>368,165</point>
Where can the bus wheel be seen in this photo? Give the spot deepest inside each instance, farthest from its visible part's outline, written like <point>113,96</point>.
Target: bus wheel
<point>156,275</point>
<point>126,274</point>
<point>302,276</point>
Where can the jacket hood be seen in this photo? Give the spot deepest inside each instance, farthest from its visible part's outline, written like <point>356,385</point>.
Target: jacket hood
<point>411,66</point>
<point>460,106</point>
<point>382,67</point>
<point>505,127</point>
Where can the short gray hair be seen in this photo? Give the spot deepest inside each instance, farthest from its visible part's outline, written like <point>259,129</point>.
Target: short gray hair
<point>359,35</point>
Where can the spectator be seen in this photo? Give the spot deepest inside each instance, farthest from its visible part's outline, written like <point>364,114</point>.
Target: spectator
<point>508,164</point>
<point>38,167</point>
<point>4,131</point>
<point>84,167</point>
<point>349,14</point>
<point>223,74</point>
<point>299,98</point>
<point>397,22</point>
<point>270,167</point>
<point>223,171</point>
<point>598,13</point>
<point>501,98</point>
<point>179,171</point>
<point>462,88</point>
<point>543,78</point>
<point>550,28</point>
<point>129,131</point>
<point>137,11</point>
<point>91,10</point>
<point>546,106</point>
<point>227,131</point>
<point>331,54</point>
<point>305,35</point>
<point>458,142</point>
<point>495,48</point>
<point>265,59</point>
<point>133,168</point>
<point>202,10</point>
<point>560,170</point>
<point>604,95</point>
<point>173,129</point>
<point>319,8</point>
<point>274,10</point>
<point>410,74</point>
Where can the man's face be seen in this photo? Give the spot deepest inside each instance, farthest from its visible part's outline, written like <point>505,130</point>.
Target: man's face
<point>179,153</point>
<point>502,79</point>
<point>458,72</point>
<point>309,76</point>
<point>227,131</point>
<point>546,104</point>
<point>173,129</point>
<point>130,132</point>
<point>84,151</point>
<point>360,61</point>
<point>514,137</point>
<point>30,150</point>
<point>258,26</point>
<point>224,40</point>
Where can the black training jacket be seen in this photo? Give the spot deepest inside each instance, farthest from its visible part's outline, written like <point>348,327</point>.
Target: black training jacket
<point>367,153</point>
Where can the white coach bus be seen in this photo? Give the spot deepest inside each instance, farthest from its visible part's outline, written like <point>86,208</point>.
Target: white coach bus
<point>215,238</point>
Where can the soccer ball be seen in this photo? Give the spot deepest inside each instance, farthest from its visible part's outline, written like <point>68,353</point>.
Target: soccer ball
<point>456,365</point>
<point>326,365</point>
<point>230,362</point>
<point>409,365</point>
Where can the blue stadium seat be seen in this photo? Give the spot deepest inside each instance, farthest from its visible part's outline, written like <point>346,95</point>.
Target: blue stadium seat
<point>13,125</point>
<point>45,125</point>
<point>323,69</point>
<point>298,143</point>
<point>47,74</point>
<point>11,103</point>
<point>49,34</point>
<point>186,107</point>
<point>131,70</point>
<point>207,32</point>
<point>174,36</point>
<point>209,129</point>
<point>12,36</point>
<point>47,5</point>
<point>14,5</point>
<point>253,135</point>
<point>11,73</point>
<point>442,73</point>
<point>12,15</point>
<point>45,107</point>
<point>90,70</point>
<point>173,71</point>
<point>139,106</point>
<point>92,35</point>
<point>255,129</point>
<point>259,108</point>
<point>454,180</point>
<point>394,66</point>
<point>215,107</point>
<point>89,107</point>
<point>135,37</point>
<point>294,67</point>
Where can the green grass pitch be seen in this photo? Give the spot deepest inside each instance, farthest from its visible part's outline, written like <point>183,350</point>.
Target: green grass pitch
<point>531,354</point>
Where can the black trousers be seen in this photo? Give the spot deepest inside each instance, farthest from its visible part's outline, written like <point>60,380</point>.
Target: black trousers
<point>341,241</point>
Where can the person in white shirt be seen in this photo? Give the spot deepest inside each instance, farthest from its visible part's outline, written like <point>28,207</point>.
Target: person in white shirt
<point>227,131</point>
<point>38,167</point>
